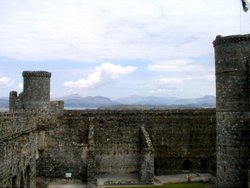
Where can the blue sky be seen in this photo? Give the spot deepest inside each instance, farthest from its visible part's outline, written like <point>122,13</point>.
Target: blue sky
<point>116,48</point>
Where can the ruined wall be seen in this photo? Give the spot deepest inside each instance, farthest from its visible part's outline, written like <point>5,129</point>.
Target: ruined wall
<point>91,142</point>
<point>232,57</point>
<point>66,147</point>
<point>177,136</point>
<point>182,140</point>
<point>63,145</point>
<point>117,141</point>
<point>146,174</point>
<point>18,150</point>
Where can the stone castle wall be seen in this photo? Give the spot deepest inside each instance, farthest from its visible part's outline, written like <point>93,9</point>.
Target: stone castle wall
<point>18,150</point>
<point>117,141</point>
<point>91,142</point>
<point>63,145</point>
<point>177,136</point>
<point>182,140</point>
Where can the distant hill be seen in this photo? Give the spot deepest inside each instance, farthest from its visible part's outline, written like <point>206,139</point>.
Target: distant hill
<point>139,102</point>
<point>131,102</point>
<point>203,102</point>
<point>76,101</point>
<point>4,104</point>
<point>151,100</point>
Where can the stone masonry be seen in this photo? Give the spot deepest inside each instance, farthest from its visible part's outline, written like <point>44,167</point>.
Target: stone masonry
<point>38,138</point>
<point>232,57</point>
<point>44,140</point>
<point>18,150</point>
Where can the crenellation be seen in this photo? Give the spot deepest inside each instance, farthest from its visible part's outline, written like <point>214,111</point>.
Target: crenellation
<point>219,40</point>
<point>36,74</point>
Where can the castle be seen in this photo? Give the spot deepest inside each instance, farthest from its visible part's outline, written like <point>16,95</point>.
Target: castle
<point>39,138</point>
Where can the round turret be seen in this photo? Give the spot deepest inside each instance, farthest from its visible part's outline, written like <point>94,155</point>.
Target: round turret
<point>36,90</point>
<point>232,55</point>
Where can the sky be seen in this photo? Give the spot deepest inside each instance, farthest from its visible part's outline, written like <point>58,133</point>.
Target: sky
<point>116,48</point>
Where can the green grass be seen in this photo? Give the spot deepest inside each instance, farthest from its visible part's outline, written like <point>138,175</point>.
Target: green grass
<point>184,185</point>
<point>170,185</point>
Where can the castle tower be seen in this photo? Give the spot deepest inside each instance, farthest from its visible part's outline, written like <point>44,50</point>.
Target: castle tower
<point>36,90</point>
<point>232,57</point>
<point>12,101</point>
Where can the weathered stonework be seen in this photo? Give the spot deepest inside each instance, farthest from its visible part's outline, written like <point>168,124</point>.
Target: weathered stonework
<point>176,136</point>
<point>147,158</point>
<point>232,55</point>
<point>39,138</point>
<point>87,143</point>
<point>91,159</point>
<point>35,95</point>
<point>18,150</point>
<point>183,140</point>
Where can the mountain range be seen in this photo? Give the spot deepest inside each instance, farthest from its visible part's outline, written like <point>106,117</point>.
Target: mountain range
<point>77,101</point>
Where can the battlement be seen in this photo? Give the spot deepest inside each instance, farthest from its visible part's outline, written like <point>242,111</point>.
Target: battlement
<point>36,74</point>
<point>230,39</point>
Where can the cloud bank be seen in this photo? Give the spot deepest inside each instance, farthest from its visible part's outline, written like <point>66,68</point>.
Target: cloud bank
<point>168,42</point>
<point>92,30</point>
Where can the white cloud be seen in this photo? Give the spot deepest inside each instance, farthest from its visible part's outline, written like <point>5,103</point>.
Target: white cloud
<point>103,74</point>
<point>5,82</point>
<point>20,86</point>
<point>179,65</point>
<point>175,81</point>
